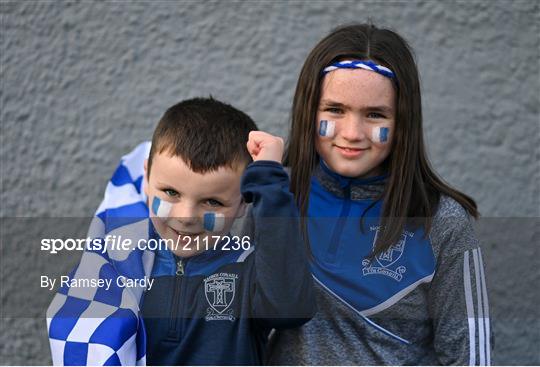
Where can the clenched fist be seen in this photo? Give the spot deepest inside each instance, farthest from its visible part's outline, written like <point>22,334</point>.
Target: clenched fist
<point>265,147</point>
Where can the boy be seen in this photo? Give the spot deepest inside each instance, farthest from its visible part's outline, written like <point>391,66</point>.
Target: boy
<point>206,298</point>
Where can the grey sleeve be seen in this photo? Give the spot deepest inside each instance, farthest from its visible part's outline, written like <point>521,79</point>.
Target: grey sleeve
<point>458,300</point>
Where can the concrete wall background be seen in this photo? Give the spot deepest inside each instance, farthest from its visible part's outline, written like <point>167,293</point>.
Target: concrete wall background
<point>83,83</point>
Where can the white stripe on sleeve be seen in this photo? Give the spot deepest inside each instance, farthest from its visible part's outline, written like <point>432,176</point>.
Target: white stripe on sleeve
<point>486,309</point>
<point>470,309</point>
<point>480,303</point>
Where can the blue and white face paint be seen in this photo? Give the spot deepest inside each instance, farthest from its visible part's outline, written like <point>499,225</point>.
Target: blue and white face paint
<point>380,135</point>
<point>213,222</point>
<point>327,128</point>
<point>161,208</point>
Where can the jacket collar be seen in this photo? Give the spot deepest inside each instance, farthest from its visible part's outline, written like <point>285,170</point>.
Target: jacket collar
<point>355,188</point>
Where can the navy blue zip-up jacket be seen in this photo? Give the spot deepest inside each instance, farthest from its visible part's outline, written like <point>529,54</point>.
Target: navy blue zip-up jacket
<point>218,307</point>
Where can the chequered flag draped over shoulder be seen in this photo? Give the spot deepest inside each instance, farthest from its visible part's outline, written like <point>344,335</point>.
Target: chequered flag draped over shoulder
<point>94,325</point>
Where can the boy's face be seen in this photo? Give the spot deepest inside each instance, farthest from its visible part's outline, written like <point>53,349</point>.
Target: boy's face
<point>189,195</point>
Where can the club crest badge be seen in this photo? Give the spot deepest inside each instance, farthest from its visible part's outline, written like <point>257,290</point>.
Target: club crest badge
<point>383,264</point>
<point>219,290</point>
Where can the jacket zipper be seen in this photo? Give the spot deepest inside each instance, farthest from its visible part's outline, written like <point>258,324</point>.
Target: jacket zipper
<point>177,295</point>
<point>180,267</point>
<point>338,229</point>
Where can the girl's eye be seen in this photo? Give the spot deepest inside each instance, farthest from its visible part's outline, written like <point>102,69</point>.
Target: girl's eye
<point>375,115</point>
<point>170,193</point>
<point>333,110</point>
<point>214,203</point>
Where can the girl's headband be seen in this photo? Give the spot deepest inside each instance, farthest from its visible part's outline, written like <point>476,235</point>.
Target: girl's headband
<point>357,64</point>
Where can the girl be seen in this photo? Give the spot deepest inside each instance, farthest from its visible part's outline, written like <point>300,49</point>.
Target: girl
<point>398,269</point>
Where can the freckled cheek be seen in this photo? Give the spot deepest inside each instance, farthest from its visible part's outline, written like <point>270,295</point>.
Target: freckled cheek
<point>323,147</point>
<point>382,151</point>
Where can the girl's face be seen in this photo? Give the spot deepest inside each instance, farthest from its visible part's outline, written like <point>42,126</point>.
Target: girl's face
<point>360,106</point>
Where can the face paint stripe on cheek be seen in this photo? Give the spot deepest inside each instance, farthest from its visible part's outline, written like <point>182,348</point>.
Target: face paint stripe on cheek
<point>213,222</point>
<point>161,208</point>
<point>327,128</point>
<point>380,134</point>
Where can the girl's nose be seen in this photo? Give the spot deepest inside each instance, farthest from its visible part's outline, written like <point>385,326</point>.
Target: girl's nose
<point>352,129</point>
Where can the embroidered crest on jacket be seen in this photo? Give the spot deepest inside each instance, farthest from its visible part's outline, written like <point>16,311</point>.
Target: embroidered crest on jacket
<point>219,290</point>
<point>383,262</point>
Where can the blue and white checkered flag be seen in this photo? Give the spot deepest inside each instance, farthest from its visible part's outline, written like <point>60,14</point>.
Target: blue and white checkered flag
<point>93,325</point>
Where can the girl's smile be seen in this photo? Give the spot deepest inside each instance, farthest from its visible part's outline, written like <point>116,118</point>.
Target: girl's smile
<point>350,152</point>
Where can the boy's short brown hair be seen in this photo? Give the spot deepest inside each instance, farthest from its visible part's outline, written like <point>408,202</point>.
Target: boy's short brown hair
<point>207,134</point>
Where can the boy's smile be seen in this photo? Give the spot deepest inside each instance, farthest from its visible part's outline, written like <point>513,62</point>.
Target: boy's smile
<point>189,195</point>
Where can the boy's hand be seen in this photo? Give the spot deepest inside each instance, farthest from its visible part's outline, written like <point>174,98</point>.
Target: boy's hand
<point>265,147</point>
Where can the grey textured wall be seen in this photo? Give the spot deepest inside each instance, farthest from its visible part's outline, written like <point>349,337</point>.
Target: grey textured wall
<point>83,83</point>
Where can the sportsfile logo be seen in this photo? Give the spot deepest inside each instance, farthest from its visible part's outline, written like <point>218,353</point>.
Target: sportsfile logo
<point>384,261</point>
<point>219,290</point>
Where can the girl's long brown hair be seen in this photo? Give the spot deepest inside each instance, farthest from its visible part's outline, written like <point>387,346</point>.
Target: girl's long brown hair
<point>413,189</point>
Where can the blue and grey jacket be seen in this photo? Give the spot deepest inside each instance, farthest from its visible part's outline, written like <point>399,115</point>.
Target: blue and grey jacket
<point>422,302</point>
<point>215,308</point>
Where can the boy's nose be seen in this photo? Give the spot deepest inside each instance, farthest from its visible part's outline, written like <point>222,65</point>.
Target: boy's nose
<point>185,214</point>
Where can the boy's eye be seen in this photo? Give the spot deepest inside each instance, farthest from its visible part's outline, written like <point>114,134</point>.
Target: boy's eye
<point>213,202</point>
<point>171,193</point>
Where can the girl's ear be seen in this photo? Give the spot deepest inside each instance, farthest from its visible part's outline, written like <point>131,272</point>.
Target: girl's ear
<point>145,178</point>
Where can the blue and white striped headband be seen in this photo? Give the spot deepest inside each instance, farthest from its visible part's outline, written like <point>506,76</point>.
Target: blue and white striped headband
<point>358,64</point>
